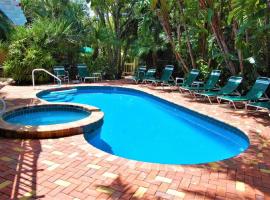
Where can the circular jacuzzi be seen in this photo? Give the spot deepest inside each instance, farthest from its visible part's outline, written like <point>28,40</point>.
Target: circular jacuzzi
<point>50,120</point>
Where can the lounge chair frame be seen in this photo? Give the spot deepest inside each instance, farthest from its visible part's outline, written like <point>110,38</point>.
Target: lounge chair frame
<point>208,83</point>
<point>61,73</point>
<point>260,80</point>
<point>231,89</point>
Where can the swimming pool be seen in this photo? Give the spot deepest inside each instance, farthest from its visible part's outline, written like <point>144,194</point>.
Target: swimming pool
<point>143,127</point>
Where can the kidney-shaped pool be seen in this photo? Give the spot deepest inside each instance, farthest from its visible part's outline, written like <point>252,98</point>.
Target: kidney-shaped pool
<point>143,127</point>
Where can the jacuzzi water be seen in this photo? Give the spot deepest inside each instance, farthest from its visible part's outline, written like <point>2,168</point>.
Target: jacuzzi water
<point>142,127</point>
<point>38,117</point>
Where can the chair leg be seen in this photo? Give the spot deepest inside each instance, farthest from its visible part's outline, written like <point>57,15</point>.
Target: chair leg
<point>180,90</point>
<point>234,105</point>
<point>209,100</point>
<point>195,96</point>
<point>246,105</point>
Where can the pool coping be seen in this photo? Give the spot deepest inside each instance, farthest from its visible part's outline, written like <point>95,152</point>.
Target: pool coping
<point>93,121</point>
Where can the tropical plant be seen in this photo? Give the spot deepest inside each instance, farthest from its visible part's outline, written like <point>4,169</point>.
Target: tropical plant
<point>204,34</point>
<point>39,45</point>
<point>55,32</point>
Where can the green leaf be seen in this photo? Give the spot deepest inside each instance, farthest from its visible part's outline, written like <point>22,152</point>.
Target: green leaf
<point>210,14</point>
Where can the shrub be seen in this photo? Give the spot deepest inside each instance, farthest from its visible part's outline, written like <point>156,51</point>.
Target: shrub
<point>21,61</point>
<point>36,46</point>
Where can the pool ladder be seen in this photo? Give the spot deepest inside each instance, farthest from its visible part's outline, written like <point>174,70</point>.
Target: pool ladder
<point>4,106</point>
<point>46,71</point>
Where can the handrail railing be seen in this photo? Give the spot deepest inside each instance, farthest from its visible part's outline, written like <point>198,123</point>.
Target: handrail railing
<point>4,106</point>
<point>44,70</point>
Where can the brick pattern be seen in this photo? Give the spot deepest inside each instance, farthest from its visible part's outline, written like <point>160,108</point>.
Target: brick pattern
<point>70,168</point>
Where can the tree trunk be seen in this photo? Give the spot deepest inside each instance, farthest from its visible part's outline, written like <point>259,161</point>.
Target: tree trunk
<point>187,35</point>
<point>239,51</point>
<point>163,18</point>
<point>154,58</point>
<point>203,43</point>
<point>117,48</point>
<point>215,26</point>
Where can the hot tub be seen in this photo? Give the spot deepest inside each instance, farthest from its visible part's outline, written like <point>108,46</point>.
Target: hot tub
<point>50,120</point>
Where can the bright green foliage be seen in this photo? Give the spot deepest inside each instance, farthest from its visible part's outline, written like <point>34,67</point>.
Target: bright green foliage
<point>204,34</point>
<point>150,37</point>
<point>54,36</point>
<point>218,34</point>
<point>33,57</point>
<point>38,47</point>
<point>25,54</point>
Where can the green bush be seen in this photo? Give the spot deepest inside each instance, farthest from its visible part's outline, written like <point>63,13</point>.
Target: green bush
<point>20,64</point>
<point>101,65</point>
<point>38,46</point>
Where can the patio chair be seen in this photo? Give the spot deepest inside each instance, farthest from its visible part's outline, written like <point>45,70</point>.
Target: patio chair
<point>255,93</point>
<point>166,76</point>
<point>139,74</point>
<point>84,74</point>
<point>209,85</point>
<point>261,105</point>
<point>61,73</point>
<point>231,86</point>
<point>149,76</point>
<point>191,77</point>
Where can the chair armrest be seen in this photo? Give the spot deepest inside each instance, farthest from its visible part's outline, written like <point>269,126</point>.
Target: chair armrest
<point>177,79</point>
<point>197,83</point>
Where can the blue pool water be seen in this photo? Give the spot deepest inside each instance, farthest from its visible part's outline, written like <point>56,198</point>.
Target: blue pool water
<point>46,117</point>
<point>142,127</point>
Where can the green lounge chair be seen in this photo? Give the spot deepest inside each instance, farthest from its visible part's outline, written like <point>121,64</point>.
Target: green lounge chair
<point>229,88</point>
<point>209,85</point>
<point>150,75</point>
<point>192,76</point>
<point>84,74</point>
<point>166,76</point>
<point>255,93</point>
<point>61,73</point>
<point>139,74</point>
<point>263,105</point>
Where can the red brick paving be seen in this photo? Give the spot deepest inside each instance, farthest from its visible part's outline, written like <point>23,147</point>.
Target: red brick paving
<point>70,168</point>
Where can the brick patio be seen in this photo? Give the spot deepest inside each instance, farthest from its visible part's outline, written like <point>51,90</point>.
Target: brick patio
<point>70,168</point>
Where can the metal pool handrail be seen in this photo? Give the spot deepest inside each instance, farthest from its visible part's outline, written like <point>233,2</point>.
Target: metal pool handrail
<point>4,106</point>
<point>44,70</point>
